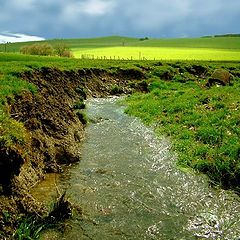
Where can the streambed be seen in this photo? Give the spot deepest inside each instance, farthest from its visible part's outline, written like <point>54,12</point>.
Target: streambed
<point>128,187</point>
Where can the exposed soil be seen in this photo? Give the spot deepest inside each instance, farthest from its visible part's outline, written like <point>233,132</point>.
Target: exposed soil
<point>55,131</point>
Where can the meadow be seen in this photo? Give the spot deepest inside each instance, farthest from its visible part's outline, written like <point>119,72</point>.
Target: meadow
<point>117,47</point>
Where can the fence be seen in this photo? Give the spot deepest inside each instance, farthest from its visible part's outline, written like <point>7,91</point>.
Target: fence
<point>93,57</point>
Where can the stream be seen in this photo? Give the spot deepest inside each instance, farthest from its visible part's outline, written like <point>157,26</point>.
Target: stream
<point>129,187</point>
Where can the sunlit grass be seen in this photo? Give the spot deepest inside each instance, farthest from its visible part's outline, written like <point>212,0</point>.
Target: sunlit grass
<point>158,53</point>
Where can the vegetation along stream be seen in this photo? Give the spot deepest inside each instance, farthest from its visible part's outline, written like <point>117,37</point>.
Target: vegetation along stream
<point>128,186</point>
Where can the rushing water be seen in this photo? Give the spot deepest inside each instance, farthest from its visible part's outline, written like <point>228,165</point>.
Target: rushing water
<point>128,187</point>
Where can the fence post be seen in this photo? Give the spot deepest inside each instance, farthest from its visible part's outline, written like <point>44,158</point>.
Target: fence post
<point>140,54</point>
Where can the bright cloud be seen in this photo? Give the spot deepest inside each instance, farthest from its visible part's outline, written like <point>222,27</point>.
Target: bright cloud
<point>91,8</point>
<point>97,7</point>
<point>17,37</point>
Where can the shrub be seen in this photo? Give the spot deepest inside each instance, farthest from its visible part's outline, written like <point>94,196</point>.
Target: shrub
<point>43,49</point>
<point>79,104</point>
<point>82,91</point>
<point>46,49</point>
<point>116,89</point>
<point>67,53</point>
<point>62,50</point>
<point>143,39</point>
<point>82,117</point>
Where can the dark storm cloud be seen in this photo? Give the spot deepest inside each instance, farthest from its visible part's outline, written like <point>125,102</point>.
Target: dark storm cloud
<point>88,18</point>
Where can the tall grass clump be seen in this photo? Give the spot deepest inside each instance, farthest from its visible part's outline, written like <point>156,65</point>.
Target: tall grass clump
<point>203,123</point>
<point>28,229</point>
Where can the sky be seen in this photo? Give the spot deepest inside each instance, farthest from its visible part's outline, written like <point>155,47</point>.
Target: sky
<point>134,18</point>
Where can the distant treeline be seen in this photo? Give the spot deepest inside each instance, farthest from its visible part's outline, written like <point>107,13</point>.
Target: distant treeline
<point>224,35</point>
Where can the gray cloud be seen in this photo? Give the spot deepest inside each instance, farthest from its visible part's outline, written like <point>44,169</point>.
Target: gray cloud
<point>88,18</point>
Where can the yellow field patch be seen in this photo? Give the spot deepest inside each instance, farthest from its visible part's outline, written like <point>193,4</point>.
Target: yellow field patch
<point>158,53</point>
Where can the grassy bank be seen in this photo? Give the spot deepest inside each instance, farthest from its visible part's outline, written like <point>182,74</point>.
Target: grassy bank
<point>11,131</point>
<point>204,123</point>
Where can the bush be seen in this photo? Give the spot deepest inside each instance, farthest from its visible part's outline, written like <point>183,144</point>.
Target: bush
<point>116,90</point>
<point>43,49</point>
<point>82,91</point>
<point>143,39</point>
<point>67,53</point>
<point>62,50</point>
<point>79,104</point>
<point>82,117</point>
<point>46,49</point>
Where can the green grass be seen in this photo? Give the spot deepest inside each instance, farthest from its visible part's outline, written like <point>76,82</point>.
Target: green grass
<point>204,124</point>
<point>208,48</point>
<point>28,229</point>
<point>12,132</point>
<point>11,63</point>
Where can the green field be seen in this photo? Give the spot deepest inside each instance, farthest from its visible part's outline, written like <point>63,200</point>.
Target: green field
<point>207,48</point>
<point>158,53</point>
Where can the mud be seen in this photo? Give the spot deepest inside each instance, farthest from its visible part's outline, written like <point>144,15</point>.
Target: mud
<point>55,131</point>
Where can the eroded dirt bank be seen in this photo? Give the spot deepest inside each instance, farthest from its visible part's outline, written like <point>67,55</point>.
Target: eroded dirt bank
<point>54,131</point>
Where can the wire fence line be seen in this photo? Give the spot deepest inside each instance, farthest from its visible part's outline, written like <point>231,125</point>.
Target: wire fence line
<point>93,57</point>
